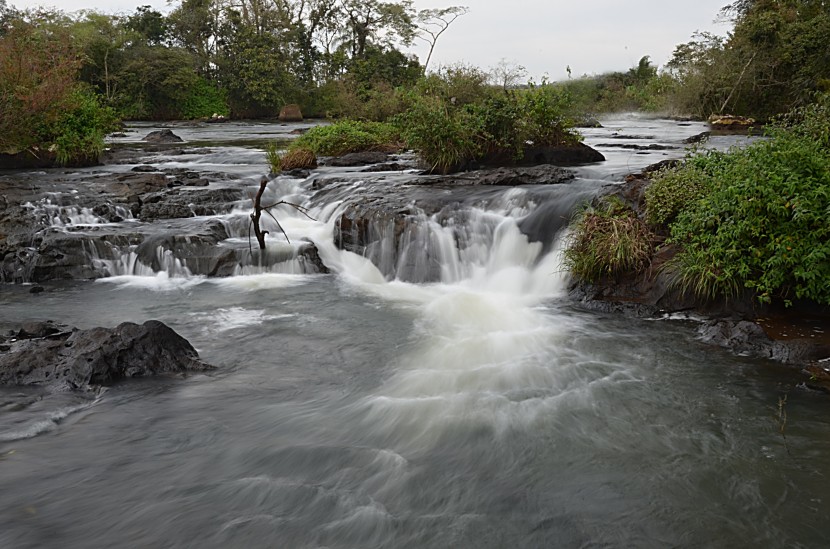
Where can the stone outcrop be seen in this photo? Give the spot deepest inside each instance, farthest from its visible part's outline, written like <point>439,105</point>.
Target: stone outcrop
<point>162,136</point>
<point>291,113</point>
<point>62,357</point>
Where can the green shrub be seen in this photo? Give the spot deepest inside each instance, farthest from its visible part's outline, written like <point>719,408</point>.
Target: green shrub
<point>763,224</point>
<point>544,116</point>
<point>607,241</point>
<point>675,189</point>
<point>346,136</point>
<point>203,101</point>
<point>446,139</point>
<point>76,135</point>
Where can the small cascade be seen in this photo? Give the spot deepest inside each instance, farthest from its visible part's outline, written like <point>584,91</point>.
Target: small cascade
<point>60,212</point>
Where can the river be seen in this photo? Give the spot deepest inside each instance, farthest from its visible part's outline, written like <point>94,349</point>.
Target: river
<point>367,408</point>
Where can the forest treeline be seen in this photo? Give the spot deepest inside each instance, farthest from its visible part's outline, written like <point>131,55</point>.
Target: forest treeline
<point>66,78</point>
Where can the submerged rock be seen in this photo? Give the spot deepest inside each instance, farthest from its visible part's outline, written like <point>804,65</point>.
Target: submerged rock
<point>67,358</point>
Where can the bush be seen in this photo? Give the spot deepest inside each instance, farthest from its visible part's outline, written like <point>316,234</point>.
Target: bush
<point>675,189</point>
<point>348,136</point>
<point>762,224</point>
<point>76,136</point>
<point>446,139</point>
<point>203,101</point>
<point>607,241</point>
<point>450,134</point>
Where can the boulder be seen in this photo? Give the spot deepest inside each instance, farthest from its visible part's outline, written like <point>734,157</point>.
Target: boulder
<point>729,121</point>
<point>63,357</point>
<point>162,136</point>
<point>291,113</point>
<point>358,159</point>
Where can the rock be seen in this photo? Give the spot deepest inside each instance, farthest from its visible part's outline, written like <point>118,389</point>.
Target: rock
<point>388,167</point>
<point>635,147</point>
<point>99,356</point>
<point>358,159</point>
<point>291,113</point>
<point>544,174</point>
<point>162,136</point>
<point>730,121</point>
<point>587,121</point>
<point>699,138</point>
<point>559,155</point>
<point>749,338</point>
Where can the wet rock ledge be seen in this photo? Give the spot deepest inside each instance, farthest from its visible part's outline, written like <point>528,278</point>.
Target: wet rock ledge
<point>61,357</point>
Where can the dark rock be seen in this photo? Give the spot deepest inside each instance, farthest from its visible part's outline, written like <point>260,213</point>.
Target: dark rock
<point>559,155</point>
<point>145,168</point>
<point>358,159</point>
<point>291,113</point>
<point>544,174</point>
<point>80,358</point>
<point>749,338</point>
<point>162,136</point>
<point>587,122</point>
<point>388,167</point>
<point>635,147</point>
<point>298,173</point>
<point>699,138</point>
<point>201,182</point>
<point>37,289</point>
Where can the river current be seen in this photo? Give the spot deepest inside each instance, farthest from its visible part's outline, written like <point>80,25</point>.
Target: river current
<point>365,408</point>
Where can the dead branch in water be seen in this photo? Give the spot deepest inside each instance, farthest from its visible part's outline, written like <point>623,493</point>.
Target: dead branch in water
<point>256,215</point>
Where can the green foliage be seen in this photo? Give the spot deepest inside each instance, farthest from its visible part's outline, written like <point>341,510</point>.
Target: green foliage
<point>203,101</point>
<point>674,189</point>
<point>642,88</point>
<point>775,58</point>
<point>445,138</point>
<point>346,136</point>
<point>76,136</point>
<point>762,225</point>
<point>608,240</point>
<point>455,119</point>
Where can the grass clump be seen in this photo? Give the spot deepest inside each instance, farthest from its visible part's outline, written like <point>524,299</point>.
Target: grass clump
<point>274,157</point>
<point>299,158</point>
<point>608,240</point>
<point>348,136</point>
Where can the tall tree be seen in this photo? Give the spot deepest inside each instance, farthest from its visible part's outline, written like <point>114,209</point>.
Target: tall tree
<point>431,24</point>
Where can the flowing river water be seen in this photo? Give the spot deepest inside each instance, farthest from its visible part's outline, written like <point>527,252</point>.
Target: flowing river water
<point>455,401</point>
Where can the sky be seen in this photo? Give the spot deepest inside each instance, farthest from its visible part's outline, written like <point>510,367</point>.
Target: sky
<point>544,36</point>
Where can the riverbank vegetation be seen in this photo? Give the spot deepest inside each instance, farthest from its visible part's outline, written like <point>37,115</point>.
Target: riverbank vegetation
<point>346,59</point>
<point>751,219</point>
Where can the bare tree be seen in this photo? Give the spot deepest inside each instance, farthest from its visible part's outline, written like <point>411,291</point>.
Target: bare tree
<point>432,24</point>
<point>507,74</point>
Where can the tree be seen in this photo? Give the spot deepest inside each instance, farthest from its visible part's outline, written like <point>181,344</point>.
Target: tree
<point>507,74</point>
<point>370,22</point>
<point>431,24</point>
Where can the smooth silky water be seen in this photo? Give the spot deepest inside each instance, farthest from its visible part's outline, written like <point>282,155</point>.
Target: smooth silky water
<point>368,409</point>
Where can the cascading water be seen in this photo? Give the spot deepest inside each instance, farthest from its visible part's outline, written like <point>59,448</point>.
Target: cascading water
<point>435,390</point>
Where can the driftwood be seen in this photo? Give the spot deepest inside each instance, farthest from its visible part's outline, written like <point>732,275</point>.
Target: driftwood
<point>256,215</point>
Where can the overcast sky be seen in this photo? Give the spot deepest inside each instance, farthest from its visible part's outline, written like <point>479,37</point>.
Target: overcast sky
<point>545,36</point>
